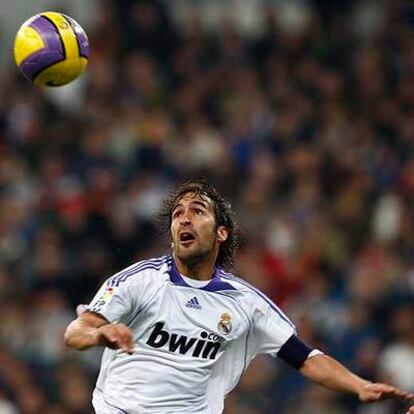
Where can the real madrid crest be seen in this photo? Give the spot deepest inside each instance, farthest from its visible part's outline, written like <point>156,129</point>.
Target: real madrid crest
<point>224,326</point>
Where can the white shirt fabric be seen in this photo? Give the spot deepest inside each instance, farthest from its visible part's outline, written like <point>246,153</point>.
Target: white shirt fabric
<point>192,343</point>
<point>194,283</point>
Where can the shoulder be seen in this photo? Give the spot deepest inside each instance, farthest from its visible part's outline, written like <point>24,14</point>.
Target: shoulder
<point>257,300</point>
<point>238,284</point>
<point>139,271</point>
<point>239,288</point>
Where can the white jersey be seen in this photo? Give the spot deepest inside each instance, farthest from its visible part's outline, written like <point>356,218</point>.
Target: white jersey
<point>191,344</point>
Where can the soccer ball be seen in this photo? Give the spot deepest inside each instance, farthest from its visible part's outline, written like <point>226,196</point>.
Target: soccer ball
<point>51,49</point>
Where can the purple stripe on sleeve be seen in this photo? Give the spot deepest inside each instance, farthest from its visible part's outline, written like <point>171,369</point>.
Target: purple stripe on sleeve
<point>147,264</point>
<point>125,276</point>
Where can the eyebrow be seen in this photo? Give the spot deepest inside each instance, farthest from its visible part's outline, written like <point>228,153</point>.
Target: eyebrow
<point>198,202</point>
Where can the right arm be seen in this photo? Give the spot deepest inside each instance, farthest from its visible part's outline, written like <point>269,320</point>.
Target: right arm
<point>92,329</point>
<point>97,324</point>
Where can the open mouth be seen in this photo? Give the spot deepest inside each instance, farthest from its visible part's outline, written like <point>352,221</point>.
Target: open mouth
<point>186,237</point>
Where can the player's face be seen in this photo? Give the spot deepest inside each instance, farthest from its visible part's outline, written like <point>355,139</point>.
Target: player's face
<point>194,230</point>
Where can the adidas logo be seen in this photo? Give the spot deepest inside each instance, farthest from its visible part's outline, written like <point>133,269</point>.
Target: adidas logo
<point>193,303</point>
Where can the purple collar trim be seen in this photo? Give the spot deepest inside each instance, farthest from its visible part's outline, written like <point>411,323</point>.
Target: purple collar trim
<point>215,284</point>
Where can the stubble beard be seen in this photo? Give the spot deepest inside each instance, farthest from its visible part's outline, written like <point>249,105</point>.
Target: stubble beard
<point>192,259</point>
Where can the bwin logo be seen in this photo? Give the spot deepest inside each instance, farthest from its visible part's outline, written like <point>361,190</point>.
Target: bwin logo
<point>199,348</point>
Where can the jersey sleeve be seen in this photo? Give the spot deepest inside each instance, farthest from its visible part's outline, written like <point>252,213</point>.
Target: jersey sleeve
<point>119,297</point>
<point>271,327</point>
<point>275,334</point>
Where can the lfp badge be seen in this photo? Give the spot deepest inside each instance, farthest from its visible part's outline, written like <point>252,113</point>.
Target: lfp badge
<point>107,293</point>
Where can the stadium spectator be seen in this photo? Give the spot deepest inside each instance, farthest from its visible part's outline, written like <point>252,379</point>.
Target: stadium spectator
<point>307,126</point>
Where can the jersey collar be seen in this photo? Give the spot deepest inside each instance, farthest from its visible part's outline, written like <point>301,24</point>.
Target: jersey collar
<point>216,283</point>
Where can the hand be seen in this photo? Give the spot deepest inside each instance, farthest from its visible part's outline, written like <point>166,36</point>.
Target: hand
<point>411,410</point>
<point>377,392</point>
<point>116,336</point>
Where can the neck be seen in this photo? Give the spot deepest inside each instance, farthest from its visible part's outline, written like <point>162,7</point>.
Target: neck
<point>201,270</point>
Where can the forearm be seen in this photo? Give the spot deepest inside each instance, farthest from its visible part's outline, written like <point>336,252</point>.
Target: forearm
<point>81,335</point>
<point>328,372</point>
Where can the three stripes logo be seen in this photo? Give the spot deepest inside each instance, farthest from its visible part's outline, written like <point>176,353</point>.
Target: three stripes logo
<point>193,303</point>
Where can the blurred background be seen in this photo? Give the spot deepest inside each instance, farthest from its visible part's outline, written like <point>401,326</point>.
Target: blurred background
<point>301,112</point>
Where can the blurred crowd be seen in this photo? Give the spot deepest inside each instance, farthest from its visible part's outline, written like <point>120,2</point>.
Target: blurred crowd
<point>307,126</point>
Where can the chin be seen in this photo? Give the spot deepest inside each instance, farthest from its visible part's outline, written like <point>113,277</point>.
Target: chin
<point>187,255</point>
<point>190,257</point>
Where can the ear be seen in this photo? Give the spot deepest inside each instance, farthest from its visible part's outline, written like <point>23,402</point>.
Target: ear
<point>222,233</point>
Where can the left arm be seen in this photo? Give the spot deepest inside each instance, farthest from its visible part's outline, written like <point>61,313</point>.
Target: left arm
<point>275,334</point>
<point>328,372</point>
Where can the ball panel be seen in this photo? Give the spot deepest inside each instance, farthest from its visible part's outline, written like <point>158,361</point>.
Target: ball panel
<point>80,34</point>
<point>84,63</point>
<point>37,62</point>
<point>27,41</point>
<point>66,33</point>
<point>49,33</point>
<point>59,73</point>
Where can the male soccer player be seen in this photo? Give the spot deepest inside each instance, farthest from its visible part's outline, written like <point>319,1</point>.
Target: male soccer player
<point>179,330</point>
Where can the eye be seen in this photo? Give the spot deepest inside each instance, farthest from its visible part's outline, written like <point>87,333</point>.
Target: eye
<point>199,211</point>
<point>176,213</point>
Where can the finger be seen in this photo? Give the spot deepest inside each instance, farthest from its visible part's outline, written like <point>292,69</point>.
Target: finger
<point>127,347</point>
<point>127,338</point>
<point>378,387</point>
<point>388,391</point>
<point>121,344</point>
<point>384,389</point>
<point>112,341</point>
<point>403,395</point>
<point>395,392</point>
<point>119,337</point>
<point>126,341</point>
<point>113,338</point>
<point>130,346</point>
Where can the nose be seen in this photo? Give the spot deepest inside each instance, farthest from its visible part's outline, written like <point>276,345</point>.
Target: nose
<point>185,218</point>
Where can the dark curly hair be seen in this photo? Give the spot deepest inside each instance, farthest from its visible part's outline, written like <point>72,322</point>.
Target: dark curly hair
<point>222,210</point>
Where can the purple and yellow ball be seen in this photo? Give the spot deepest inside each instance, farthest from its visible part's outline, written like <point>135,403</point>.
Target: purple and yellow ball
<point>51,49</point>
